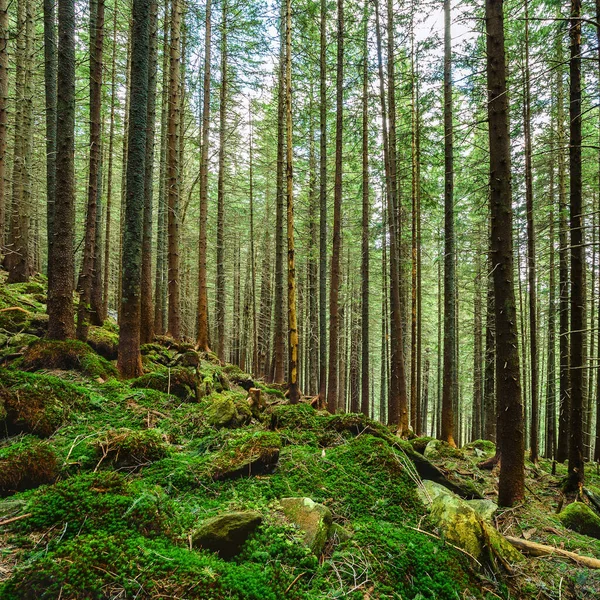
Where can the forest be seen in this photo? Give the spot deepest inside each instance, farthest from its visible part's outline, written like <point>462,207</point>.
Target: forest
<point>374,216</point>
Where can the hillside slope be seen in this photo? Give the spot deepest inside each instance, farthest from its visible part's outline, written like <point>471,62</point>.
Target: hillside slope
<point>126,489</point>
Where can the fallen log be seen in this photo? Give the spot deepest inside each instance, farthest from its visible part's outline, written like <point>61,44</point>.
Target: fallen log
<point>535,549</point>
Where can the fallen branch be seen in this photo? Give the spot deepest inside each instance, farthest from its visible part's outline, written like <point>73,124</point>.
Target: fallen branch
<point>13,519</point>
<point>535,549</point>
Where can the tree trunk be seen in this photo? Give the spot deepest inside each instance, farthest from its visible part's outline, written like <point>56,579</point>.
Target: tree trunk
<point>323,203</point>
<point>510,409</point>
<point>477,423</point>
<point>130,359</point>
<point>366,216</point>
<point>202,339</point>
<point>61,323</point>
<point>173,172</point>
<point>294,393</point>
<point>147,308</point>
<point>531,272</point>
<point>550,449</point>
<point>50,89</point>
<point>450,374</point>
<point>220,295</point>
<point>160,280</point>
<point>575,475</point>
<point>95,158</point>
<point>109,185</point>
<point>562,449</point>
<point>334,286</point>
<point>278,364</point>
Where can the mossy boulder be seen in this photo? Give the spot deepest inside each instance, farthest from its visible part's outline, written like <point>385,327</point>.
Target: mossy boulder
<point>480,449</point>
<point>581,518</point>
<point>224,411</point>
<point>14,318</point>
<point>25,465</point>
<point>239,377</point>
<point>37,403</point>
<point>104,341</point>
<point>155,354</point>
<point>189,358</point>
<point>227,532</point>
<point>256,454</point>
<point>464,527</point>
<point>128,448</point>
<point>180,382</point>
<point>211,379</point>
<point>420,443</point>
<point>314,520</point>
<point>70,355</point>
<point>437,449</point>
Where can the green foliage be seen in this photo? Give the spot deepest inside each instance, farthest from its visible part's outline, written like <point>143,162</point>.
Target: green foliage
<point>125,447</point>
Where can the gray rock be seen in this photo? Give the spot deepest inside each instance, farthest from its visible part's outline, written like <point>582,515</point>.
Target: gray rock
<point>227,532</point>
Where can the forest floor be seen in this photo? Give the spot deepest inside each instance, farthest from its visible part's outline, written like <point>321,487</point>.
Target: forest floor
<point>105,485</point>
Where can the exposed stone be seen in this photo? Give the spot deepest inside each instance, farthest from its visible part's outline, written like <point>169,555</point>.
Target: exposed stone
<point>315,520</point>
<point>581,518</point>
<point>227,532</point>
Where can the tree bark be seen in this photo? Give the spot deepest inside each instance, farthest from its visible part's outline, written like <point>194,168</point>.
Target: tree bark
<point>173,174</point>
<point>147,308</point>
<point>508,386</point>
<point>129,361</point>
<point>576,367</point>
<point>450,374</point>
<point>95,159</point>
<point>202,339</point>
<point>366,217</point>
<point>334,286</point>
<point>50,89</point>
<point>61,323</point>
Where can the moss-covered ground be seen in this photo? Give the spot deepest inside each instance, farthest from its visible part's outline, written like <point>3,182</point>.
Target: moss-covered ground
<point>105,481</point>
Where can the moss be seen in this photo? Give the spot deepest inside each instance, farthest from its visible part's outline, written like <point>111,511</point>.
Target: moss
<point>580,518</point>
<point>180,382</point>
<point>104,341</point>
<point>156,354</point>
<point>228,411</point>
<point>26,464</point>
<point>252,454</point>
<point>68,355</point>
<point>37,403</point>
<point>420,443</point>
<point>125,447</point>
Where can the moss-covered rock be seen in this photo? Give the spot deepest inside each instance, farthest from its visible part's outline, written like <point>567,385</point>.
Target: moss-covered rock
<point>481,449</point>
<point>155,354</point>
<point>25,465</point>
<point>189,358</point>
<point>420,443</point>
<point>227,532</point>
<point>581,518</point>
<point>437,449</point>
<point>225,411</point>
<point>70,355</point>
<point>125,447</point>
<point>314,520</point>
<point>37,403</point>
<point>104,341</point>
<point>180,382</point>
<point>464,527</point>
<point>256,454</point>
